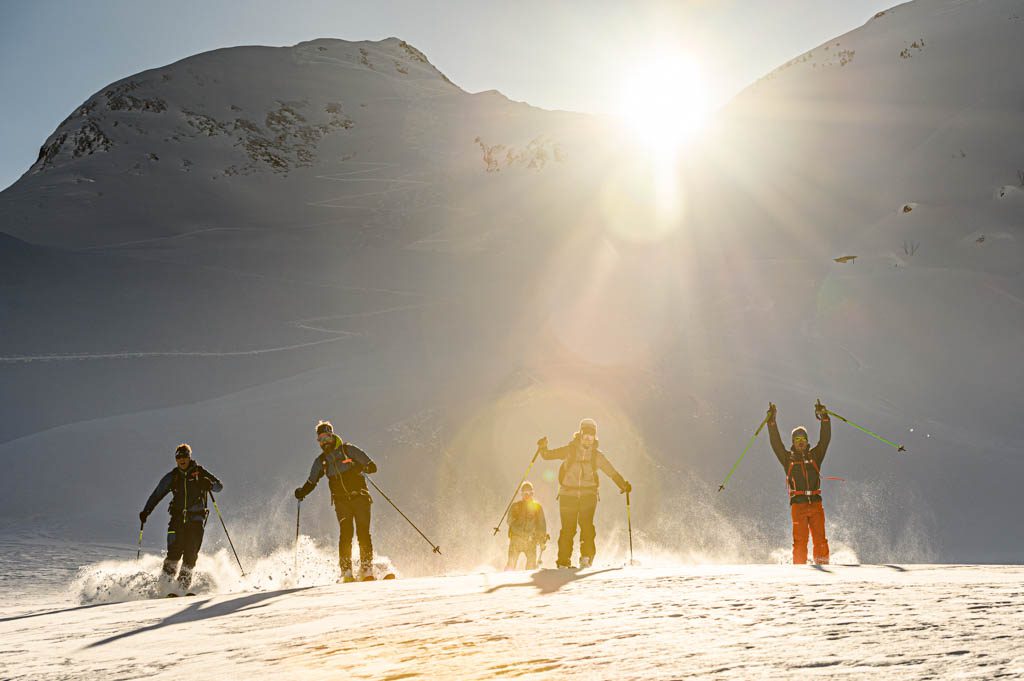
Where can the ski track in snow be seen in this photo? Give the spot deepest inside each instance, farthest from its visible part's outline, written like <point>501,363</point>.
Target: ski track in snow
<point>707,621</point>
<point>16,359</point>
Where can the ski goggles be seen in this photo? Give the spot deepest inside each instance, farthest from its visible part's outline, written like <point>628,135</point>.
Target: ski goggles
<point>181,455</point>
<point>799,438</point>
<point>324,438</point>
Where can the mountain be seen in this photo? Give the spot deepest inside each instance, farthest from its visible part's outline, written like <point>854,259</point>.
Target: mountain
<point>225,249</point>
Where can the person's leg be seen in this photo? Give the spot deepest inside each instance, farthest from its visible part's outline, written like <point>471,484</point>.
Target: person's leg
<point>800,531</point>
<point>343,511</point>
<point>361,505</point>
<point>568,509</point>
<point>513,554</point>
<point>174,548</point>
<point>817,525</point>
<point>588,549</point>
<point>193,541</point>
<point>530,549</point>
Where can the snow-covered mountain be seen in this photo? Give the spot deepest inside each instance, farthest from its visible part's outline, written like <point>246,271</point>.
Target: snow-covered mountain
<point>225,249</point>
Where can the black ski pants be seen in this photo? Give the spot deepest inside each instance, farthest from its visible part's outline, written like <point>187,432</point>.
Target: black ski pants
<point>348,510</point>
<point>184,539</point>
<point>576,510</point>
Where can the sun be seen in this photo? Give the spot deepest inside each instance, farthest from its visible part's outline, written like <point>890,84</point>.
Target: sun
<point>664,101</point>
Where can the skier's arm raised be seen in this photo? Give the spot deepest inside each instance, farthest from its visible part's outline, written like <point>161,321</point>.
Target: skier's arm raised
<point>162,489</point>
<point>825,436</point>
<point>774,438</point>
<point>552,454</point>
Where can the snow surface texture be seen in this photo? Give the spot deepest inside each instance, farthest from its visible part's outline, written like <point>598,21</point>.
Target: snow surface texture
<point>903,622</point>
<point>225,249</point>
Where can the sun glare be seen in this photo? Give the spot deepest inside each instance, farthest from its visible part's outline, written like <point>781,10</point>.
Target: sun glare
<point>664,101</point>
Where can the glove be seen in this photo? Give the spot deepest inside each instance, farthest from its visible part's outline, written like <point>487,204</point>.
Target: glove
<point>142,516</point>
<point>820,412</point>
<point>772,410</point>
<point>542,443</point>
<point>300,493</point>
<point>626,488</point>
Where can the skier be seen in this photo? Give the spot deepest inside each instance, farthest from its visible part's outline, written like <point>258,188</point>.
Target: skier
<point>344,464</point>
<point>189,483</point>
<point>803,478</point>
<point>527,529</point>
<point>577,490</point>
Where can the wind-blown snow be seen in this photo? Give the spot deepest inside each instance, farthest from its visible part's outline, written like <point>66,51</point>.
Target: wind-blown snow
<point>673,622</point>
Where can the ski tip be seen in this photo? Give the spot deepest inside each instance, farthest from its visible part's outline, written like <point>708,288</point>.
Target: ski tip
<point>390,575</point>
<point>171,595</point>
<point>369,578</point>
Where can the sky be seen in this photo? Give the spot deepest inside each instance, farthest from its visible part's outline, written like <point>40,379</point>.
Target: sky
<point>570,55</point>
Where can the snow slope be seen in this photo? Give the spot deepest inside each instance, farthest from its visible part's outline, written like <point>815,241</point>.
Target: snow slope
<point>450,276</point>
<point>711,622</point>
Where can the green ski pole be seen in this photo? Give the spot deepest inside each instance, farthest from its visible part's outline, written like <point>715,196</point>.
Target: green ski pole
<point>745,450</point>
<point>899,448</point>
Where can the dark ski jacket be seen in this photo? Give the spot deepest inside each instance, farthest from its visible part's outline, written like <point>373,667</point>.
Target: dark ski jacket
<point>526,521</point>
<point>189,489</point>
<point>577,476</point>
<point>344,466</point>
<point>803,474</point>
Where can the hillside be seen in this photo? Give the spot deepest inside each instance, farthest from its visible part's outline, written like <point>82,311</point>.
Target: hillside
<point>449,276</point>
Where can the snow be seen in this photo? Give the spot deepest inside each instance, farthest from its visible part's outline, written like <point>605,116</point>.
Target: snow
<point>449,276</point>
<point>707,621</point>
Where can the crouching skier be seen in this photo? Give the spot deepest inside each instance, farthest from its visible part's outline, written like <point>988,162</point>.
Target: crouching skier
<point>803,478</point>
<point>577,490</point>
<point>344,464</point>
<point>527,529</point>
<point>189,483</point>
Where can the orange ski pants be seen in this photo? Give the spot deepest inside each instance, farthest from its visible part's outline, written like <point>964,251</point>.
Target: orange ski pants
<point>809,518</point>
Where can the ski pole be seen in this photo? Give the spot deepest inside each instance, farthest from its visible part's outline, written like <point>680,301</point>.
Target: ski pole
<point>298,514</point>
<point>437,549</point>
<point>745,450</point>
<point>629,523</point>
<point>497,528</point>
<point>138,554</point>
<point>226,533</point>
<point>899,448</point>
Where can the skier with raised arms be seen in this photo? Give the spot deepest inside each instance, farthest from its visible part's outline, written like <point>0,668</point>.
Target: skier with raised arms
<point>803,479</point>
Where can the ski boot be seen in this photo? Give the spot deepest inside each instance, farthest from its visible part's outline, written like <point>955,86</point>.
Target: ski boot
<point>585,562</point>
<point>346,576</point>
<point>366,571</point>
